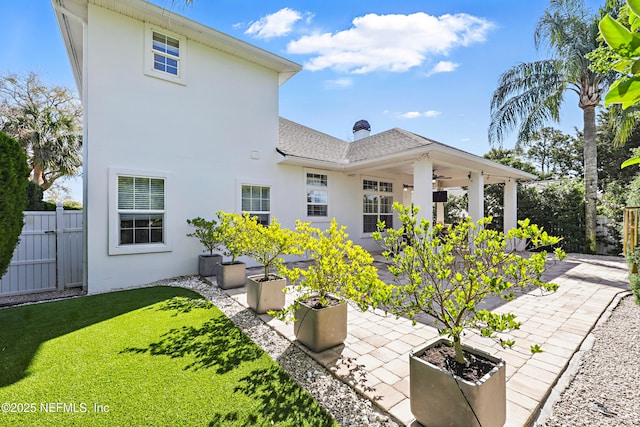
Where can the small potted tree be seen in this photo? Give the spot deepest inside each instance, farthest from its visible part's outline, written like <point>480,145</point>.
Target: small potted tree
<point>447,273</point>
<point>234,238</point>
<point>339,270</point>
<point>208,234</point>
<point>267,245</point>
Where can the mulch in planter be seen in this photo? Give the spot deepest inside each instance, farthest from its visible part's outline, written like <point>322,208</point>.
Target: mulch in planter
<point>444,357</point>
<point>314,302</point>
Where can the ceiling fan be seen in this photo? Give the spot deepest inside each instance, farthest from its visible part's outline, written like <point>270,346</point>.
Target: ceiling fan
<point>437,177</point>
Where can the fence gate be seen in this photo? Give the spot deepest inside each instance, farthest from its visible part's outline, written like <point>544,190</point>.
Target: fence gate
<point>49,255</point>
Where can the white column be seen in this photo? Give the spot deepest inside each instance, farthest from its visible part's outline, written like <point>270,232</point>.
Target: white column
<point>476,196</point>
<point>423,187</point>
<point>510,205</point>
<point>440,212</point>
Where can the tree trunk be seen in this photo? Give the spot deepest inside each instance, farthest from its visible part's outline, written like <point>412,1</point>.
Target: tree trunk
<point>38,174</point>
<point>590,177</point>
<point>457,345</point>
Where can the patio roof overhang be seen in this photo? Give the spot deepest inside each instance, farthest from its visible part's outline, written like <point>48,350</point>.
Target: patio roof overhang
<point>451,166</point>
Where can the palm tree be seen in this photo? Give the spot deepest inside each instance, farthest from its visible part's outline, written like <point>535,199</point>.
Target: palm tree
<point>46,121</point>
<point>532,93</point>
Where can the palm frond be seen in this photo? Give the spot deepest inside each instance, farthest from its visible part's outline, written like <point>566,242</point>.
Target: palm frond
<point>530,93</point>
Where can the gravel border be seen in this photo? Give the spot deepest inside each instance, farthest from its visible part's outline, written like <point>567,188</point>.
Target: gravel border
<point>12,300</point>
<point>600,388</point>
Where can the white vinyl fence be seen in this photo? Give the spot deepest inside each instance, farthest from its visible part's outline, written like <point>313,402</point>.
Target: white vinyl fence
<point>49,255</point>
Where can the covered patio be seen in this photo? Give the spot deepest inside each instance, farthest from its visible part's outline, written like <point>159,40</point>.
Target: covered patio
<point>421,164</point>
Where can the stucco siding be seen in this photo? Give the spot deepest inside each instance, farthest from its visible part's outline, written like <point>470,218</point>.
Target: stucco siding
<point>200,134</point>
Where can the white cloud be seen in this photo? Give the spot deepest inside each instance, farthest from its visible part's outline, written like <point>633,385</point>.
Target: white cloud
<point>443,67</point>
<point>417,114</point>
<point>410,115</point>
<point>276,24</point>
<point>393,43</point>
<point>465,139</point>
<point>431,113</point>
<point>338,83</point>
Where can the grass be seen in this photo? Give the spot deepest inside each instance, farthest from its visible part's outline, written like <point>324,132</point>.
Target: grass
<point>146,357</point>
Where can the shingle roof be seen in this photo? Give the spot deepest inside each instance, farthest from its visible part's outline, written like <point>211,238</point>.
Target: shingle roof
<point>301,141</point>
<point>303,145</point>
<point>381,144</point>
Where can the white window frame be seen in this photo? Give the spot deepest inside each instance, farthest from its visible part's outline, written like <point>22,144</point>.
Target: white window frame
<point>149,52</point>
<point>257,212</point>
<point>115,248</point>
<point>309,187</point>
<point>379,193</point>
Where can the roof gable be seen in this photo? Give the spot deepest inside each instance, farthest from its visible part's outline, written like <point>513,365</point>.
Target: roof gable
<point>381,144</point>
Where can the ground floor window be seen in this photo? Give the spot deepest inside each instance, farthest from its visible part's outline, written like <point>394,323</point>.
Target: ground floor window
<point>256,200</point>
<point>141,210</point>
<point>317,195</point>
<point>377,204</point>
<point>138,211</point>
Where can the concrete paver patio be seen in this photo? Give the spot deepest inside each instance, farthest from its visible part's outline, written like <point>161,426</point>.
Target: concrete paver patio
<point>375,356</point>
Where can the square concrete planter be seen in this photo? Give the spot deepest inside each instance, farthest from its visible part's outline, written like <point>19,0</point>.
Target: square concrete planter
<point>323,328</point>
<point>231,275</point>
<point>437,399</point>
<point>265,296</point>
<point>208,264</point>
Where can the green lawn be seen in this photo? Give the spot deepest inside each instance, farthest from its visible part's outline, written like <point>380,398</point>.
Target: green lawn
<point>158,356</point>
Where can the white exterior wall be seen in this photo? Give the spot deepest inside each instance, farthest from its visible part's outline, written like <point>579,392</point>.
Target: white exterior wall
<point>345,199</point>
<point>204,136</point>
<point>200,134</point>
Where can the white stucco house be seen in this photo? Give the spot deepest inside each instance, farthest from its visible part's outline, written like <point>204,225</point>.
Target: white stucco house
<point>181,120</point>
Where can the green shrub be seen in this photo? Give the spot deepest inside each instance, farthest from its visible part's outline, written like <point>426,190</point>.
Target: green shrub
<point>634,284</point>
<point>633,258</point>
<point>447,272</point>
<point>267,243</point>
<point>14,177</point>
<point>633,193</point>
<point>34,197</point>
<point>339,269</point>
<point>559,209</point>
<point>207,232</point>
<point>50,205</point>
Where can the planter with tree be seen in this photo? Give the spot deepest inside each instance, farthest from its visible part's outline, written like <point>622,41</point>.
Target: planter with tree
<point>208,234</point>
<point>267,244</point>
<point>339,270</point>
<point>234,238</point>
<point>447,273</point>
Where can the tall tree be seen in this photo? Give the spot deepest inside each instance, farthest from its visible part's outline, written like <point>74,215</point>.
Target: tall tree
<point>549,148</point>
<point>532,93</point>
<point>46,121</point>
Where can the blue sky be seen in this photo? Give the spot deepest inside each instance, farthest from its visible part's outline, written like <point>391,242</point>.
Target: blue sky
<point>426,66</point>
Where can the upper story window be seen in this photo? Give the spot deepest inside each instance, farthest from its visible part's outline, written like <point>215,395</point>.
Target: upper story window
<point>165,54</point>
<point>317,195</point>
<point>377,204</point>
<point>256,200</point>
